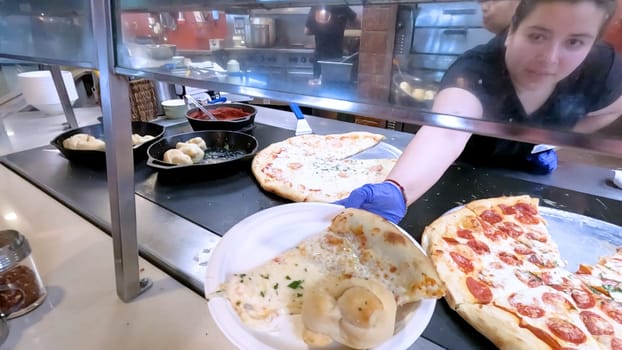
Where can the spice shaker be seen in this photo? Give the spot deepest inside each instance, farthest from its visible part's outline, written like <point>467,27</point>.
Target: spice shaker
<point>21,289</point>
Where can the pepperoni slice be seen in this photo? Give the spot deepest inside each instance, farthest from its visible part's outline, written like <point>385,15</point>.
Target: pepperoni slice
<point>466,234</point>
<point>525,208</point>
<point>536,260</point>
<point>522,249</point>
<point>583,298</point>
<point>479,290</point>
<point>507,210</point>
<point>532,311</point>
<point>525,218</point>
<point>463,263</point>
<point>530,280</point>
<point>493,234</point>
<point>537,236</point>
<point>451,240</point>
<point>511,229</point>
<point>566,330</point>
<point>509,259</point>
<point>616,344</point>
<point>478,247</point>
<point>491,217</point>
<point>556,300</point>
<point>612,309</point>
<point>595,324</point>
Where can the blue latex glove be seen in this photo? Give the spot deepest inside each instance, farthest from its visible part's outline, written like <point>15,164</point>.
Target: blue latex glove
<point>542,163</point>
<point>384,199</point>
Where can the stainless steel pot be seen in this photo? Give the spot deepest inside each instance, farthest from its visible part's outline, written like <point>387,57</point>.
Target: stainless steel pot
<point>260,32</point>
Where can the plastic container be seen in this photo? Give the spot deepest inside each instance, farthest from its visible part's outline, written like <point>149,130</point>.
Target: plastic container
<point>21,288</point>
<point>336,71</point>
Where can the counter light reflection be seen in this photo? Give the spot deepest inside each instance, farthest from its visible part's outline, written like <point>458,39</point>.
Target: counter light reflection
<point>12,216</point>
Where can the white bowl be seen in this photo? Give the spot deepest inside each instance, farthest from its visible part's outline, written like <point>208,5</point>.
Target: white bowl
<point>39,90</point>
<point>175,108</point>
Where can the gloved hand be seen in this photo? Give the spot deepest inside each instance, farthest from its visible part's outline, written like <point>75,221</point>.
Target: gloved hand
<point>384,199</point>
<point>542,163</point>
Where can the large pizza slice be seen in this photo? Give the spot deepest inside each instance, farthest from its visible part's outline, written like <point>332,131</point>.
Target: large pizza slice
<point>317,168</point>
<point>502,267</point>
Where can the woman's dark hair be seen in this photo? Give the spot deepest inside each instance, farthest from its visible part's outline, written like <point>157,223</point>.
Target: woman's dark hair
<point>525,7</point>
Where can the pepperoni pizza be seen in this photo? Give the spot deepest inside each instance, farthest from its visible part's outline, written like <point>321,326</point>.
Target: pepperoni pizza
<point>505,276</point>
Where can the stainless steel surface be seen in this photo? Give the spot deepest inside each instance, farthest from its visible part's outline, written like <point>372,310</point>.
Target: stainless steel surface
<point>574,232</point>
<point>119,158</point>
<point>374,108</point>
<point>4,329</point>
<point>448,40</point>
<point>381,150</point>
<point>260,32</point>
<point>48,32</point>
<point>63,96</point>
<point>336,70</point>
<point>451,14</point>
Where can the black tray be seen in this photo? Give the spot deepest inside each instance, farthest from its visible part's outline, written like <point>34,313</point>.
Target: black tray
<point>227,151</point>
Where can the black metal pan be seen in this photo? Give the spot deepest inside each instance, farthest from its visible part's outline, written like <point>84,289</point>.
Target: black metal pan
<point>227,151</point>
<point>98,158</point>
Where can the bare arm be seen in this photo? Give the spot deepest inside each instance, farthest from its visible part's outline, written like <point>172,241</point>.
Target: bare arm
<point>601,118</point>
<point>432,150</point>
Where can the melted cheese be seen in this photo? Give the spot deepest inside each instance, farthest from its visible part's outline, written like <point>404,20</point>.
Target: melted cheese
<point>277,287</point>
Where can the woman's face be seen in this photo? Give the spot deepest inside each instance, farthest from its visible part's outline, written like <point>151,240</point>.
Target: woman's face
<point>551,42</point>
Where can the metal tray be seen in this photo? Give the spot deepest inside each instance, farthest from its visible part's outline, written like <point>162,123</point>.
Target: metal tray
<point>381,150</point>
<point>581,239</point>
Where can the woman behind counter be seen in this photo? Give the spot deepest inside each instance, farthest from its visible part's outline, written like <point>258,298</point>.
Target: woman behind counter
<point>549,71</point>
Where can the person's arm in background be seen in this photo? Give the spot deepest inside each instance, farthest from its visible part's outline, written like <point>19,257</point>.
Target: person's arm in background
<point>310,22</point>
<point>432,150</point>
<point>601,118</point>
<point>353,19</point>
<point>604,88</point>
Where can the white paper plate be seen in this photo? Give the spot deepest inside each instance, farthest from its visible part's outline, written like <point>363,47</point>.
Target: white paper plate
<point>261,237</point>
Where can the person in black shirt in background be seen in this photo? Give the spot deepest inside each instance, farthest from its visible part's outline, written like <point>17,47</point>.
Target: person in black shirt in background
<point>550,70</point>
<point>327,24</point>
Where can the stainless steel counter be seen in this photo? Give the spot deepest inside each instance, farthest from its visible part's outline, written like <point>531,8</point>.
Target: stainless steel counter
<point>182,247</point>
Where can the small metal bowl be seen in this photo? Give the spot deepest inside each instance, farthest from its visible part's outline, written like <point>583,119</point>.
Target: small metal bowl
<point>239,124</point>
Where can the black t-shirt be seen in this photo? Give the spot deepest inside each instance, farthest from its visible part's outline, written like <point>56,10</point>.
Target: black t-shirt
<point>329,36</point>
<point>595,84</point>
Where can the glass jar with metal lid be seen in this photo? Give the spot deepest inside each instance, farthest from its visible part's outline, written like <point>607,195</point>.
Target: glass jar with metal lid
<point>21,289</point>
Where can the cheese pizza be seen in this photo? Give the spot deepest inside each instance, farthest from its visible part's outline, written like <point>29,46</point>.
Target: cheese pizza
<point>502,267</point>
<point>317,168</point>
<point>347,282</point>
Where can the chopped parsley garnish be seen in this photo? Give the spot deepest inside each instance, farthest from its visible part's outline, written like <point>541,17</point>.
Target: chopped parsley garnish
<point>262,294</point>
<point>295,284</point>
<point>266,276</point>
<point>275,286</point>
<point>287,277</point>
<point>298,295</point>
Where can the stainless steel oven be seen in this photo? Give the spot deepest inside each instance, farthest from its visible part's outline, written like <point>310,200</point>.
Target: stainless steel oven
<point>429,37</point>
